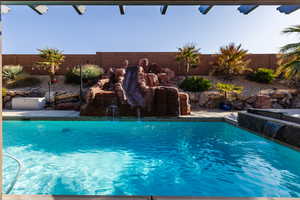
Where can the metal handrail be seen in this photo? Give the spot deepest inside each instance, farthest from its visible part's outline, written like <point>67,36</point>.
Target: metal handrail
<point>12,184</point>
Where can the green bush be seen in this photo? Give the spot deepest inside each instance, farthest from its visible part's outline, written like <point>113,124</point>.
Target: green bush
<point>262,75</point>
<point>195,84</point>
<point>23,80</point>
<point>10,72</point>
<point>89,73</point>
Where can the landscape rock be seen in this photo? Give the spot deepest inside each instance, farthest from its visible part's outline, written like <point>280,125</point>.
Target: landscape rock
<point>210,99</point>
<point>185,107</point>
<point>50,97</point>
<point>68,106</point>
<point>263,102</point>
<point>238,105</point>
<point>194,96</point>
<point>277,106</point>
<point>251,99</point>
<point>296,102</point>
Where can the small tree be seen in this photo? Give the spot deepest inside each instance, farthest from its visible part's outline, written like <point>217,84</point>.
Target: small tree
<point>230,61</point>
<point>189,55</point>
<point>51,60</point>
<point>228,89</point>
<point>289,64</point>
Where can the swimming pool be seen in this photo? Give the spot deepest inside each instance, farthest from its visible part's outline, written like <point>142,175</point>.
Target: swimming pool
<point>147,158</point>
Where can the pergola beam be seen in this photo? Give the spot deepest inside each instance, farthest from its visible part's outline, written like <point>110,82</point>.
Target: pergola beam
<point>205,9</point>
<point>163,9</point>
<point>4,9</point>
<point>288,9</point>
<point>79,9</point>
<point>39,9</point>
<point>151,2</point>
<point>122,9</point>
<point>246,9</point>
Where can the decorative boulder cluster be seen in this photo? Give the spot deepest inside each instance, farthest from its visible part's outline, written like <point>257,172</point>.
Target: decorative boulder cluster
<point>67,101</point>
<point>31,92</point>
<point>60,100</point>
<point>274,98</point>
<point>160,100</point>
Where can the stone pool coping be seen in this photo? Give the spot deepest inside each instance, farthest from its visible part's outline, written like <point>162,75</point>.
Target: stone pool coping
<point>98,197</point>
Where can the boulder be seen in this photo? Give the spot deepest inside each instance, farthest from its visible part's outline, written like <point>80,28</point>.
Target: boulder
<point>173,102</point>
<point>281,93</point>
<point>67,97</point>
<point>160,102</point>
<point>251,99</point>
<point>263,102</point>
<point>185,107</point>
<point>211,99</point>
<point>277,106</point>
<point>194,96</point>
<point>68,106</point>
<point>6,99</point>
<point>8,105</point>
<point>238,105</point>
<point>151,80</point>
<point>119,72</point>
<point>247,106</point>
<point>50,97</point>
<point>296,102</point>
<point>98,103</point>
<point>170,73</point>
<point>163,78</point>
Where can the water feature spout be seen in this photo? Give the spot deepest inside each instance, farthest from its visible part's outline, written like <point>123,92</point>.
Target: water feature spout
<point>272,128</point>
<point>138,113</point>
<point>112,110</point>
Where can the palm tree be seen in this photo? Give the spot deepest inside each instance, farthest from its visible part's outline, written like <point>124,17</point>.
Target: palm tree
<point>289,64</point>
<point>232,60</point>
<point>51,60</point>
<point>189,55</point>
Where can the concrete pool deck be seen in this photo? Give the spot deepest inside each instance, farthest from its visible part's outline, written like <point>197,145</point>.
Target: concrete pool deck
<point>206,115</point>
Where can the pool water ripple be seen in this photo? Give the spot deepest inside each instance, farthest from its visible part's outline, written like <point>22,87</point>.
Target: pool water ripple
<point>147,158</point>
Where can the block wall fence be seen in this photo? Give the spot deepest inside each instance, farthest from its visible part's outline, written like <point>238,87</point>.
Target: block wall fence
<point>110,59</point>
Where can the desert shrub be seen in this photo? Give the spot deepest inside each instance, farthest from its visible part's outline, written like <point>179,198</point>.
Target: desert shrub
<point>23,80</point>
<point>231,61</point>
<point>262,75</point>
<point>4,92</point>
<point>228,89</point>
<point>89,73</point>
<point>10,72</point>
<point>195,84</point>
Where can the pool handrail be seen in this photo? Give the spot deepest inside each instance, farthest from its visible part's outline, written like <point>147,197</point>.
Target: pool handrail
<point>12,184</point>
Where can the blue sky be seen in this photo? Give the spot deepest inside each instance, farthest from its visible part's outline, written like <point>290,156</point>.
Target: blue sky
<point>102,28</point>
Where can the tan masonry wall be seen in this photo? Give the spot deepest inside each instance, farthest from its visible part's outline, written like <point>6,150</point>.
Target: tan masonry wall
<point>109,59</point>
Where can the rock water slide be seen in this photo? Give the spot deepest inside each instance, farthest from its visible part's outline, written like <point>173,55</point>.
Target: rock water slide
<point>132,89</point>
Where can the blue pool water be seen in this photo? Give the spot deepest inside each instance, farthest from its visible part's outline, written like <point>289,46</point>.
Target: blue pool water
<point>147,158</point>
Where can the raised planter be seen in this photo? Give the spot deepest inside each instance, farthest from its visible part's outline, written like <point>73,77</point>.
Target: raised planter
<point>28,103</point>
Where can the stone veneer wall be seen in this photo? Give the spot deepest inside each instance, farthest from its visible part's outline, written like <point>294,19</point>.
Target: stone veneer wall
<point>289,133</point>
<point>109,59</point>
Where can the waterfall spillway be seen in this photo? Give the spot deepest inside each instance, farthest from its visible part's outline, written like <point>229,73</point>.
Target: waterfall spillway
<point>272,128</point>
<point>112,111</point>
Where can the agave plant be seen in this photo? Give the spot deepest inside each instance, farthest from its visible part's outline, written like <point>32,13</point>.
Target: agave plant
<point>10,72</point>
<point>189,55</point>
<point>289,64</point>
<point>51,60</point>
<point>231,61</point>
